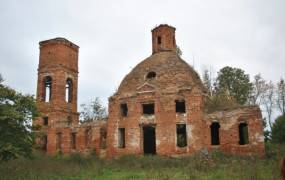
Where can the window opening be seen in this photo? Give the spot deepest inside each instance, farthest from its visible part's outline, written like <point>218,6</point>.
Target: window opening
<point>69,120</point>
<point>148,109</point>
<point>68,90</point>
<point>121,138</point>
<point>180,106</point>
<point>243,134</point>
<point>45,120</point>
<point>88,136</point>
<point>159,40</point>
<point>45,141</point>
<point>47,89</point>
<point>215,136</point>
<point>103,137</point>
<point>73,140</point>
<point>124,110</point>
<point>58,141</point>
<point>151,75</point>
<point>181,135</point>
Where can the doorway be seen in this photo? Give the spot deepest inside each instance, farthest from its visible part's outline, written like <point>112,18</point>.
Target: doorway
<point>149,146</point>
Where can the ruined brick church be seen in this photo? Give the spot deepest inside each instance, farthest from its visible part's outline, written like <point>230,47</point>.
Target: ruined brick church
<point>159,108</point>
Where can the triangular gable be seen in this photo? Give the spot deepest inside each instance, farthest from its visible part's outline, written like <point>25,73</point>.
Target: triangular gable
<point>146,87</point>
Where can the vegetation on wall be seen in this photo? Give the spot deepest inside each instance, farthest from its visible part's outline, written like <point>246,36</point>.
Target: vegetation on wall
<point>232,88</point>
<point>93,111</point>
<point>220,101</point>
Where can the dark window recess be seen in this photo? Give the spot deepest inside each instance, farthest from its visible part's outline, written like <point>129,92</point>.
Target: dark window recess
<point>73,140</point>
<point>47,89</point>
<point>121,138</point>
<point>45,141</point>
<point>103,137</point>
<point>88,137</point>
<point>69,120</point>
<point>243,134</point>
<point>45,120</point>
<point>180,106</point>
<point>181,135</point>
<point>158,40</point>
<point>68,90</point>
<point>58,141</point>
<point>148,108</point>
<point>215,134</point>
<point>151,75</point>
<point>124,110</point>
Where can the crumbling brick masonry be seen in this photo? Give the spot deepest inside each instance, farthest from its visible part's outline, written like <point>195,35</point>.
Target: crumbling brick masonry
<point>158,108</point>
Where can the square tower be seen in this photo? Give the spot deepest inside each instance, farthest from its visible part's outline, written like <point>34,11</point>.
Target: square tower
<point>57,83</point>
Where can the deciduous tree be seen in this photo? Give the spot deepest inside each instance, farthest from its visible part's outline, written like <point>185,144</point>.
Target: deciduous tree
<point>268,101</point>
<point>258,90</point>
<point>16,114</point>
<point>281,96</point>
<point>93,111</point>
<point>278,130</point>
<point>236,82</point>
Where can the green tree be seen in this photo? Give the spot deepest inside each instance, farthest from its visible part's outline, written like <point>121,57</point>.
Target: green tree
<point>258,90</point>
<point>16,114</point>
<point>236,82</point>
<point>281,95</point>
<point>278,130</point>
<point>93,111</point>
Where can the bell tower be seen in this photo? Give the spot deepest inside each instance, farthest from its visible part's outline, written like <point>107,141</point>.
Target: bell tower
<point>57,83</point>
<point>163,38</point>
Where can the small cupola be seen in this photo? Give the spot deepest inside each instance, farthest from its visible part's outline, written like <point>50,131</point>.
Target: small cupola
<point>163,38</point>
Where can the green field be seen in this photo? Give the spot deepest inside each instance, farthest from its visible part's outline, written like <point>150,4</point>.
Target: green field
<point>200,166</point>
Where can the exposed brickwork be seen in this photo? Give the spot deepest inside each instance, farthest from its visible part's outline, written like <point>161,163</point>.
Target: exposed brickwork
<point>163,39</point>
<point>59,61</point>
<point>162,79</point>
<point>174,80</point>
<point>229,131</point>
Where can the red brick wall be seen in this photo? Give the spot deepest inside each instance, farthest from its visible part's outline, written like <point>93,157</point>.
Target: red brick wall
<point>174,80</point>
<point>167,35</point>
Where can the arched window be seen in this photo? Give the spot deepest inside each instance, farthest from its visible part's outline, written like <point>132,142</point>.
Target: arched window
<point>151,75</point>
<point>68,90</point>
<point>215,134</point>
<point>47,89</point>
<point>243,134</point>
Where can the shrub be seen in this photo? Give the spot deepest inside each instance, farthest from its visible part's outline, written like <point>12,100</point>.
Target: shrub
<point>220,101</point>
<point>278,130</point>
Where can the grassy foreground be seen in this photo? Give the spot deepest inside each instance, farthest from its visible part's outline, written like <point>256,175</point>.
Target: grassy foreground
<point>200,166</point>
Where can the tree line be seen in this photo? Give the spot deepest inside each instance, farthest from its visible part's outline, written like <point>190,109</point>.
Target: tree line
<point>232,88</point>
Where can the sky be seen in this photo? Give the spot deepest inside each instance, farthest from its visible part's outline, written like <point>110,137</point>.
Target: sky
<point>115,35</point>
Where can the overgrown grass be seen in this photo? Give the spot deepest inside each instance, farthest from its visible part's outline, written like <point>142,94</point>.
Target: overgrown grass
<point>212,166</point>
